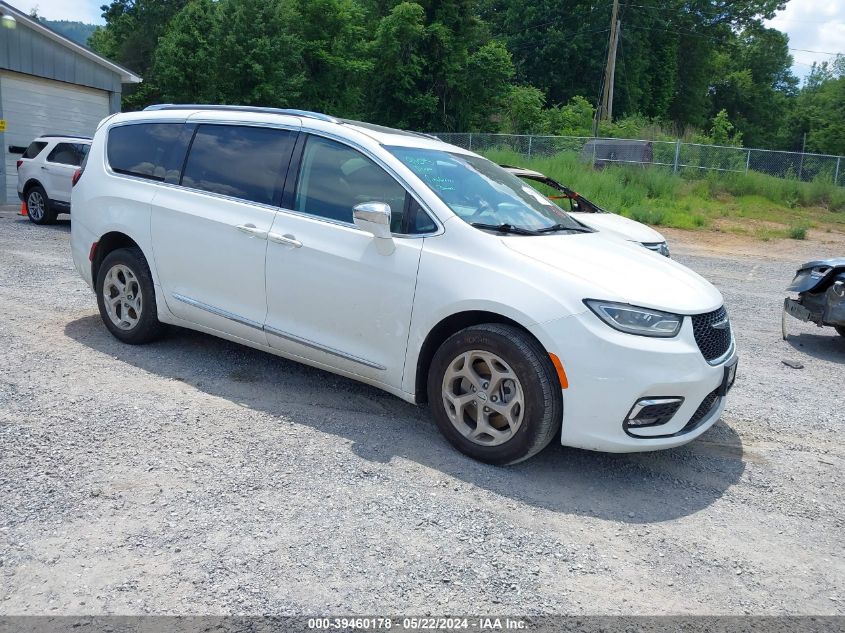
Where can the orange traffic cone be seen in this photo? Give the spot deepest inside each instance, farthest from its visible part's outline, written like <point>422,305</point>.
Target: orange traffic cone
<point>23,209</point>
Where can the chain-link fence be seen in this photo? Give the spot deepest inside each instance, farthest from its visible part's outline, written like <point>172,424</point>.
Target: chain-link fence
<point>674,155</point>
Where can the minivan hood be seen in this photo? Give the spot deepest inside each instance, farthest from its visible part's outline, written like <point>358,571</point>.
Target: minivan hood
<point>620,226</point>
<point>622,271</point>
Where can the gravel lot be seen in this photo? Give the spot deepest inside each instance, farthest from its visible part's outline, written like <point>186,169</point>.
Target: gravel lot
<point>197,476</point>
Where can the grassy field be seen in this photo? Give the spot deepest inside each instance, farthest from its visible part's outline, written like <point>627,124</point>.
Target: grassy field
<point>752,204</point>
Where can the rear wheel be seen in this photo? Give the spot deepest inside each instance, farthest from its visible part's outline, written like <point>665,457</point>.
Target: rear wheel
<point>38,206</point>
<point>494,393</point>
<point>840,329</point>
<point>126,297</point>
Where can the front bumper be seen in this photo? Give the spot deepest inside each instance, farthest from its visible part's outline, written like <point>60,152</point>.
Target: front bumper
<point>608,371</point>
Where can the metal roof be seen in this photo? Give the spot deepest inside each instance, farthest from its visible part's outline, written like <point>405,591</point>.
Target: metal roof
<point>126,75</point>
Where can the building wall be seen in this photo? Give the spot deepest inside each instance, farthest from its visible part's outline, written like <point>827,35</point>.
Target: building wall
<point>33,106</point>
<point>25,51</point>
<point>35,56</point>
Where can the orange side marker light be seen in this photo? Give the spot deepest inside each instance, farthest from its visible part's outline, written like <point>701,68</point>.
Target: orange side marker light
<point>23,209</point>
<point>561,374</point>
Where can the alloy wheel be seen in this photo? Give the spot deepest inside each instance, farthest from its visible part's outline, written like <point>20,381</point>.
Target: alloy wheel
<point>35,205</point>
<point>483,398</point>
<point>122,297</point>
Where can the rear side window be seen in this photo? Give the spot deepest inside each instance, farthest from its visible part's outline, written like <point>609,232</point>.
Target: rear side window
<point>34,149</point>
<point>144,149</point>
<point>239,161</point>
<point>68,153</point>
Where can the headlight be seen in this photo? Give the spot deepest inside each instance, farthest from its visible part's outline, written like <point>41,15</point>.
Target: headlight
<point>657,247</point>
<point>634,320</point>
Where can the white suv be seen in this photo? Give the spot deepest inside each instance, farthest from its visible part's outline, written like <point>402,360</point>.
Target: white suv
<point>403,262</point>
<point>45,172</point>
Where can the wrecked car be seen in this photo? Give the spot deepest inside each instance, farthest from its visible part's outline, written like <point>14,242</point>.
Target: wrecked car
<point>592,215</point>
<point>821,295</point>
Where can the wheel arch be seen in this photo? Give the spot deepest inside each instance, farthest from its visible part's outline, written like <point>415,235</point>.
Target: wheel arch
<point>29,184</point>
<point>445,328</point>
<point>108,243</point>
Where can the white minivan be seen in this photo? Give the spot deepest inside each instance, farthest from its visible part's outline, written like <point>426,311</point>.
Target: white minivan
<point>395,259</point>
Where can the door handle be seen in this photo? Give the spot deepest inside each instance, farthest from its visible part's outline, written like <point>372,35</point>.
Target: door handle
<point>252,230</point>
<point>287,239</point>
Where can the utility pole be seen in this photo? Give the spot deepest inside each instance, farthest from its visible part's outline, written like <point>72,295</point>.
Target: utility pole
<point>610,69</point>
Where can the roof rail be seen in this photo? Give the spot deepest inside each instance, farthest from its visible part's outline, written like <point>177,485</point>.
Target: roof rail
<point>79,136</point>
<point>242,108</point>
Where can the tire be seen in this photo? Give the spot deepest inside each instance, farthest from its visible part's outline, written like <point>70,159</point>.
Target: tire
<point>514,353</point>
<point>840,329</point>
<point>38,206</point>
<point>131,317</point>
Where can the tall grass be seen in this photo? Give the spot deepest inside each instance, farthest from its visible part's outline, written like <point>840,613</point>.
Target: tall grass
<point>692,200</point>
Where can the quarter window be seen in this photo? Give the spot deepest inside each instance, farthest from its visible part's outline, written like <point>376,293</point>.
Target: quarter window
<point>333,178</point>
<point>68,153</point>
<point>143,149</point>
<point>34,149</point>
<point>239,161</point>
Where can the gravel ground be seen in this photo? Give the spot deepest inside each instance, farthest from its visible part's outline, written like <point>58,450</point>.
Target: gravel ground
<point>195,476</point>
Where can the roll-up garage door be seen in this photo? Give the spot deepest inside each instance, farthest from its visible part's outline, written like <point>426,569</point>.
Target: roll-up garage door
<point>33,106</point>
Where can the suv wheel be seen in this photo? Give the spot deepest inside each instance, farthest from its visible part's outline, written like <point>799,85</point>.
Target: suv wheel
<point>840,329</point>
<point>126,297</point>
<point>495,394</point>
<point>38,206</point>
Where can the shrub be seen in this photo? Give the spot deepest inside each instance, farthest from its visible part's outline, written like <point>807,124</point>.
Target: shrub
<point>798,231</point>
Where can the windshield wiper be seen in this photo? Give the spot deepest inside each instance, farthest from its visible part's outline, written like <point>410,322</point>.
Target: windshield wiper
<point>503,228</point>
<point>562,227</point>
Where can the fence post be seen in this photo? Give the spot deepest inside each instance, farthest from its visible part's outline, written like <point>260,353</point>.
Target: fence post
<point>836,177</point>
<point>470,142</point>
<point>747,161</point>
<point>677,156</point>
<point>530,137</point>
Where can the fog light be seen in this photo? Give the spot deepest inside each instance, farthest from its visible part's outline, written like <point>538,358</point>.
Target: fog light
<point>652,412</point>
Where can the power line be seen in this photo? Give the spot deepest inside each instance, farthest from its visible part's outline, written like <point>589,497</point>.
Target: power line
<point>804,50</point>
<point>711,37</point>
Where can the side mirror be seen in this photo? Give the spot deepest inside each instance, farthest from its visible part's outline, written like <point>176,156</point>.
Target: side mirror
<point>374,218</point>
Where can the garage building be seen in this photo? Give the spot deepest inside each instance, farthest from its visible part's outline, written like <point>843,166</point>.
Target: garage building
<point>49,85</point>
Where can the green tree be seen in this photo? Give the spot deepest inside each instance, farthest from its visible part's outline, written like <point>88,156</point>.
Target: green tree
<point>130,37</point>
<point>523,113</point>
<point>573,119</point>
<point>484,84</point>
<point>755,83</point>
<point>399,93</point>
<point>186,55</point>
<point>722,130</point>
<point>336,62</point>
<point>259,53</point>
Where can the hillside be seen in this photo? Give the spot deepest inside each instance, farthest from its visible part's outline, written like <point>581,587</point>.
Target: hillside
<point>79,32</point>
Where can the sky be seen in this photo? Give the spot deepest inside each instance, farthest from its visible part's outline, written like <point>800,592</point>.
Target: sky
<point>812,25</point>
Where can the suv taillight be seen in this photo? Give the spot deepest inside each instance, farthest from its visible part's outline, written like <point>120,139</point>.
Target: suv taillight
<point>76,176</point>
<point>19,163</point>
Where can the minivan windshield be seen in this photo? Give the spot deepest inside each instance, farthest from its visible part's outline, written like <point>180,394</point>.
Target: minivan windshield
<point>483,194</point>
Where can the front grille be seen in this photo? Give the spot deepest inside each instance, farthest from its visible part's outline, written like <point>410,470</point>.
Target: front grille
<point>713,342</point>
<point>706,406</point>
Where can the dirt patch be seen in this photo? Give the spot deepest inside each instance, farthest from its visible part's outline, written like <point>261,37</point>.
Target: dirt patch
<point>819,244</point>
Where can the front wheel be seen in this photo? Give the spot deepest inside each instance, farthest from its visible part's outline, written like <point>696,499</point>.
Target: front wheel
<point>126,297</point>
<point>840,329</point>
<point>494,393</point>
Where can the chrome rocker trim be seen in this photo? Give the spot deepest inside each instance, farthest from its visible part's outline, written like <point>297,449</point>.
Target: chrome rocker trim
<point>279,333</point>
